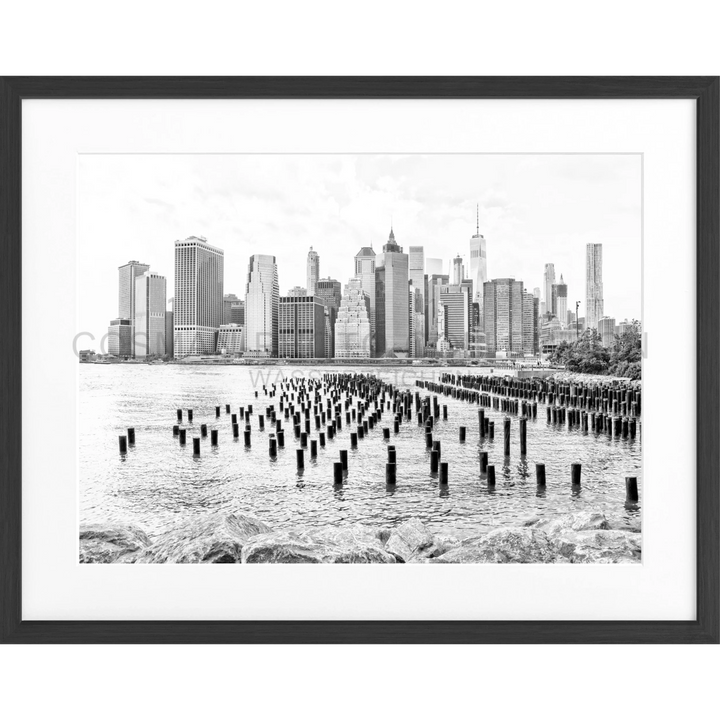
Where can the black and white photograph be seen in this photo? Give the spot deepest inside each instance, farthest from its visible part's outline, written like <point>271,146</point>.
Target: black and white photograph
<point>369,358</point>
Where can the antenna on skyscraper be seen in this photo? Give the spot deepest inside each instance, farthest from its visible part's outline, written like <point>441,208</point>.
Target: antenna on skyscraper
<point>478,219</point>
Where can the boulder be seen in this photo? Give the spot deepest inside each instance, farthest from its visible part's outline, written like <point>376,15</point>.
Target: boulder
<point>353,544</point>
<point>409,540</point>
<point>215,538</point>
<point>600,546</point>
<point>504,545</point>
<point>574,523</point>
<point>111,543</point>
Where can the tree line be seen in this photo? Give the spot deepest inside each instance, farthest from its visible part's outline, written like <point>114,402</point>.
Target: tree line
<point>588,355</point>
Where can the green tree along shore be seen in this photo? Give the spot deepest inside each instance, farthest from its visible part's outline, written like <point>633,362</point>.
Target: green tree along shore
<point>588,354</point>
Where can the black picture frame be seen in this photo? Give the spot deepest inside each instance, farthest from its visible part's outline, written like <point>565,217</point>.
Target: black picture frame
<point>706,93</point>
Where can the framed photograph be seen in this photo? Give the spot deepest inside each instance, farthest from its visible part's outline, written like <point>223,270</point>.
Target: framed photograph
<point>432,360</point>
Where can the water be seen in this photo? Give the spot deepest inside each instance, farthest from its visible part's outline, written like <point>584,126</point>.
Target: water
<point>159,481</point>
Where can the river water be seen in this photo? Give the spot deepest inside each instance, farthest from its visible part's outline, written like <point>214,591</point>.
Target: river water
<point>159,481</point>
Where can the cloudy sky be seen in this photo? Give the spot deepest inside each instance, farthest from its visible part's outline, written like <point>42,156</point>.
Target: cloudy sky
<point>534,209</point>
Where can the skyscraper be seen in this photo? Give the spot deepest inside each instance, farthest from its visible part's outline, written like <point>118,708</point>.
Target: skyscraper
<point>561,301</point>
<point>120,337</point>
<point>229,303</point>
<point>457,300</point>
<point>298,291</point>
<point>434,285</point>
<point>548,282</point>
<point>198,308</point>
<point>416,275</point>
<point>329,291</point>
<point>365,272</point>
<point>352,327</point>
<point>458,270</point>
<point>150,302</point>
<point>262,300</point>
<point>594,306</point>
<point>392,310</point>
<point>127,274</point>
<point>313,271</point>
<point>606,329</point>
<point>478,262</point>
<point>169,329</point>
<point>504,316</point>
<point>434,266</point>
<point>301,327</point>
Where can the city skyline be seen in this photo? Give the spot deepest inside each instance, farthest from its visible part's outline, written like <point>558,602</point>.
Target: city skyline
<point>513,250</point>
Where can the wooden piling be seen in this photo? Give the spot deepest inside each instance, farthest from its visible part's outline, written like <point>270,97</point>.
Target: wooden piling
<point>182,436</point>
<point>390,473</point>
<point>443,473</point>
<point>196,446</point>
<point>122,441</point>
<point>491,475</point>
<point>338,473</point>
<point>540,473</point>
<point>575,471</point>
<point>631,490</point>
<point>506,430</point>
<point>344,459</point>
<point>462,434</point>
<point>300,454</point>
<point>523,436</point>
<point>213,437</point>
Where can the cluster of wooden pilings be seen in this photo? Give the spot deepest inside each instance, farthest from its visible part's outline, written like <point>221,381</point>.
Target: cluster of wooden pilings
<point>322,406</point>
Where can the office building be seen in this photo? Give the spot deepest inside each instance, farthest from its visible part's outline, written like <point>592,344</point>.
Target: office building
<point>262,301</point>
<point>352,326</point>
<point>391,301</point>
<point>594,306</point>
<point>149,325</point>
<point>313,271</point>
<point>416,276</point>
<point>169,329</point>
<point>127,274</point>
<point>301,327</point>
<point>120,338</point>
<point>606,331</point>
<point>432,299</point>
<point>230,339</point>
<point>365,262</point>
<point>478,262</point>
<point>329,291</point>
<point>298,291</point>
<point>560,301</point>
<point>434,266</point>
<point>233,310</point>
<point>458,272</point>
<point>548,282</point>
<point>198,308</point>
<point>457,301</point>
<point>503,317</point>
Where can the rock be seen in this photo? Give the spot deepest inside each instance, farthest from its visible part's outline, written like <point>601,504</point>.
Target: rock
<point>210,539</point>
<point>575,522</point>
<point>111,543</point>
<point>601,546</point>
<point>409,539</point>
<point>504,545</point>
<point>344,545</point>
<point>440,545</point>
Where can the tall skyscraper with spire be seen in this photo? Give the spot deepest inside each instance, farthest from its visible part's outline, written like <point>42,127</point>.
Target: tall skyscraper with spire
<point>594,306</point>
<point>313,271</point>
<point>392,311</point>
<point>561,301</point>
<point>478,262</point>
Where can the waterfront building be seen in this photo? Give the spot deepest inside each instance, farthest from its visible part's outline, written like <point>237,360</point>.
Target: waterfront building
<point>352,326</point>
<point>457,301</point>
<point>392,322</point>
<point>503,318</point>
<point>416,276</point>
<point>365,262</point>
<point>548,282</point>
<point>432,299</point>
<point>531,324</point>
<point>262,301</point>
<point>594,306</point>
<point>560,301</point>
<point>298,291</point>
<point>149,325</point>
<point>169,330</point>
<point>301,327</point>
<point>478,262</point>
<point>313,271</point>
<point>127,274</point>
<point>606,331</point>
<point>120,337</point>
<point>198,307</point>
<point>230,339</point>
<point>329,291</point>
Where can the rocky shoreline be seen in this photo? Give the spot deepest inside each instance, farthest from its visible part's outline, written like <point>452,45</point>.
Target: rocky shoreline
<point>584,537</point>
